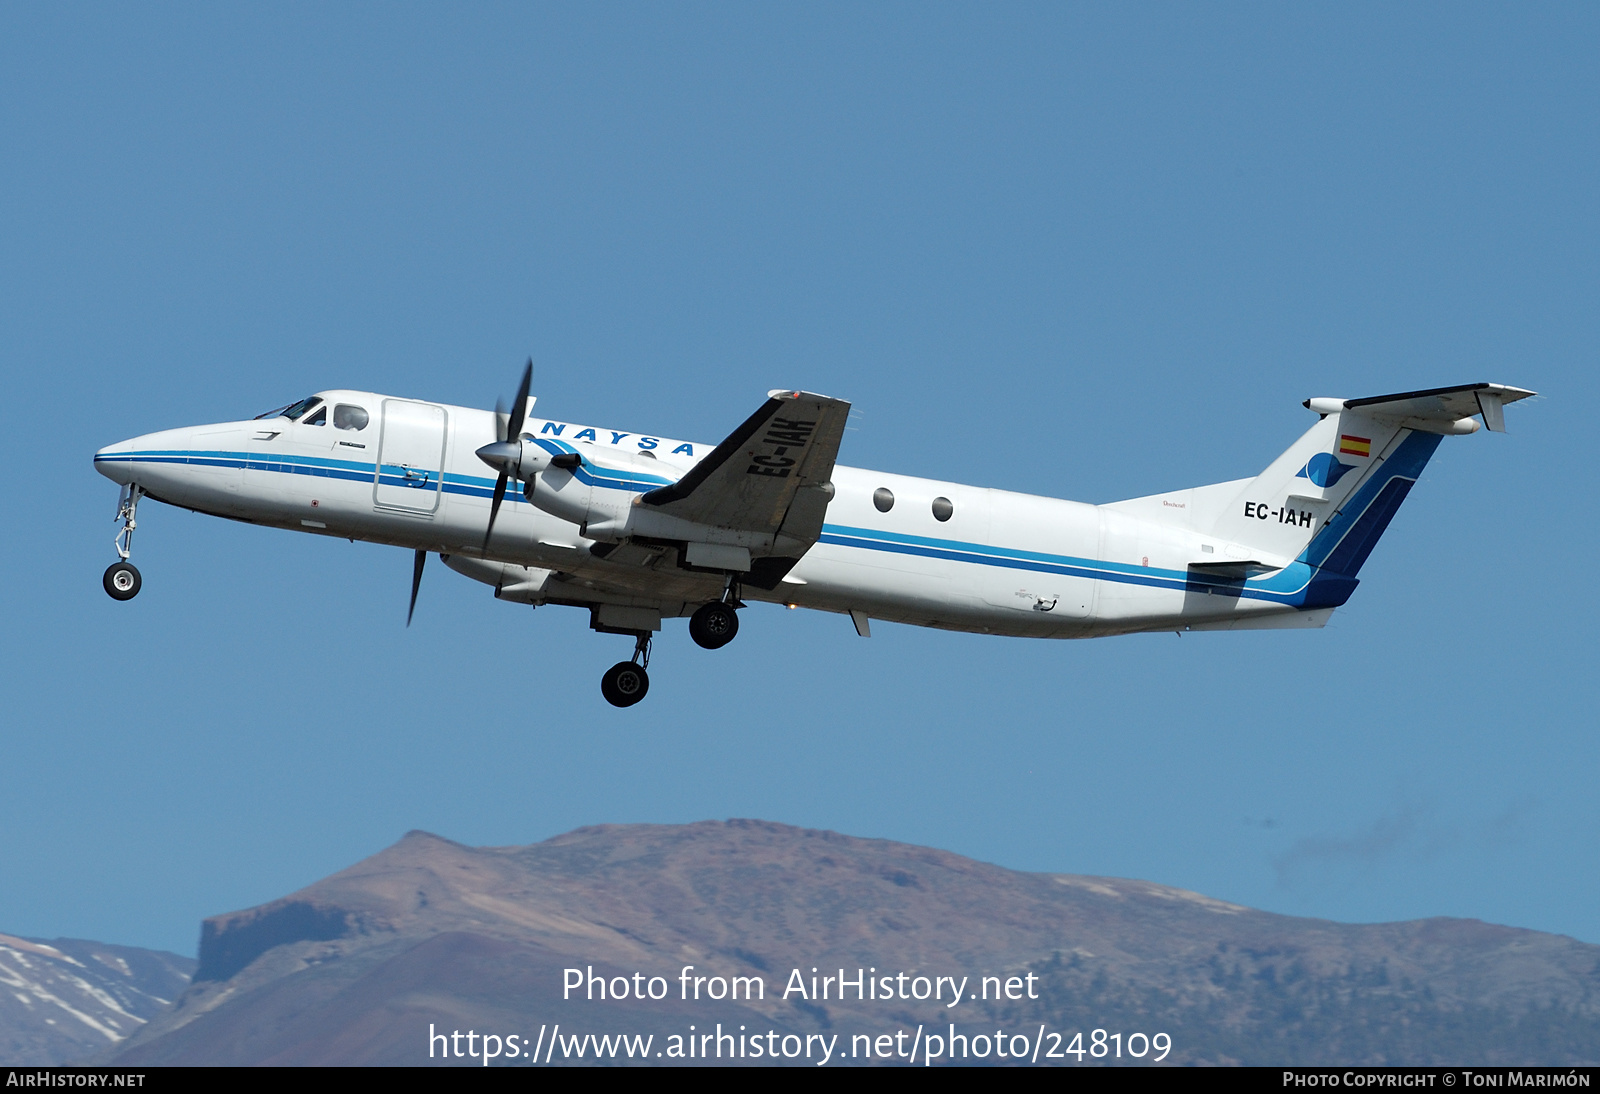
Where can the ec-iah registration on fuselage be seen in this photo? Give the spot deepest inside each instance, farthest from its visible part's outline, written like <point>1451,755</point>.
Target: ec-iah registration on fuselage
<point>637,528</point>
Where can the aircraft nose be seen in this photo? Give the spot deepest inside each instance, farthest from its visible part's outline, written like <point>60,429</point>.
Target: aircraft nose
<point>114,461</point>
<point>139,457</point>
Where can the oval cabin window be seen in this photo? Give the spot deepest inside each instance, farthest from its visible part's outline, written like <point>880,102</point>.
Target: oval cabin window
<point>942,509</point>
<point>883,498</point>
<point>346,416</point>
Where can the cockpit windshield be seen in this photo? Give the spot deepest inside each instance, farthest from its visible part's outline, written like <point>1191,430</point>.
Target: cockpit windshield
<point>293,411</point>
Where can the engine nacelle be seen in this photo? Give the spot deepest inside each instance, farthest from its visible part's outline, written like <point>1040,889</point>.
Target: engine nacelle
<point>564,492</point>
<point>602,497</point>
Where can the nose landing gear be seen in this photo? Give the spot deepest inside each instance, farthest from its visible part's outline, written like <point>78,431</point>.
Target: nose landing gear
<point>122,580</point>
<point>626,682</point>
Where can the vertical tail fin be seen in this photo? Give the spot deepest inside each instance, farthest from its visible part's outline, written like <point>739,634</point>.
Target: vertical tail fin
<point>1326,501</point>
<point>1301,493</point>
<point>1345,540</point>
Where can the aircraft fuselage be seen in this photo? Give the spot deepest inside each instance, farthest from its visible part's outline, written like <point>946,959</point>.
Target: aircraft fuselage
<point>893,547</point>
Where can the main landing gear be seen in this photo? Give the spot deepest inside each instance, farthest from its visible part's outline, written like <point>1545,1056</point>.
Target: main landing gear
<point>714,625</point>
<point>122,579</point>
<point>626,682</point>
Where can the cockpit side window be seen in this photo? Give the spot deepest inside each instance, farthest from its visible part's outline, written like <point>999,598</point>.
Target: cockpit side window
<point>319,418</point>
<point>349,417</point>
<point>293,411</point>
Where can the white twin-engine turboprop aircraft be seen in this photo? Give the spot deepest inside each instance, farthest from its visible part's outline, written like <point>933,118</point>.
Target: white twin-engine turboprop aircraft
<point>637,528</point>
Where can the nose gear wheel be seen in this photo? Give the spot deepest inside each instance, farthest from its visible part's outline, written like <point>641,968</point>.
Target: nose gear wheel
<point>122,581</point>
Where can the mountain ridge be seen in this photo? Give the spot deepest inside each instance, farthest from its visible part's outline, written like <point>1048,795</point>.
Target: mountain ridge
<point>66,999</point>
<point>368,950</point>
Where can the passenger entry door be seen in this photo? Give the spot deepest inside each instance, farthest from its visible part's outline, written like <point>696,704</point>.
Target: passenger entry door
<point>410,475</point>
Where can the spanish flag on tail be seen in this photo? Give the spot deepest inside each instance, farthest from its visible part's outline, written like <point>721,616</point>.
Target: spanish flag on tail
<point>1355,446</point>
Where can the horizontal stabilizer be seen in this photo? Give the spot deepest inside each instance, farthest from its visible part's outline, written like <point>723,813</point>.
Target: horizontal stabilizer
<point>1442,405</point>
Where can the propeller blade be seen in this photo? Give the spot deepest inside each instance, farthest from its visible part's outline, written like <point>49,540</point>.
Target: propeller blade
<point>510,428</point>
<point>494,510</point>
<point>501,420</point>
<point>519,409</point>
<point>416,582</point>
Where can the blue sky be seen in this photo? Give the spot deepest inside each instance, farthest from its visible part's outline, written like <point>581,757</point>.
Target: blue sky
<point>1085,251</point>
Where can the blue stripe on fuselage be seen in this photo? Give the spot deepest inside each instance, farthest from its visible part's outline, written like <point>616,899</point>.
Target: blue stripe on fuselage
<point>1282,587</point>
<point>1303,584</point>
<point>589,473</point>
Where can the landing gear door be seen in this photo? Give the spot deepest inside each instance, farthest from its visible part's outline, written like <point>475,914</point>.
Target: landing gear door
<point>410,474</point>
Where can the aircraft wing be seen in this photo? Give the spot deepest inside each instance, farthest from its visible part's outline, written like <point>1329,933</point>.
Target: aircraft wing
<point>770,476</point>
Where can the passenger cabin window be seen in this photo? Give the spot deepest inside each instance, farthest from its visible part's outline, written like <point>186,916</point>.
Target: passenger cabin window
<point>319,418</point>
<point>883,498</point>
<point>942,509</point>
<point>349,417</point>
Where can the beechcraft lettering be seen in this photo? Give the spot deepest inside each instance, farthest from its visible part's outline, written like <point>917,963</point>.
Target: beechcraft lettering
<point>636,529</point>
<point>1285,515</point>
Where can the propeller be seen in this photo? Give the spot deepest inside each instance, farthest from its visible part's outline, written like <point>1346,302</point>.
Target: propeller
<point>416,582</point>
<point>508,428</point>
